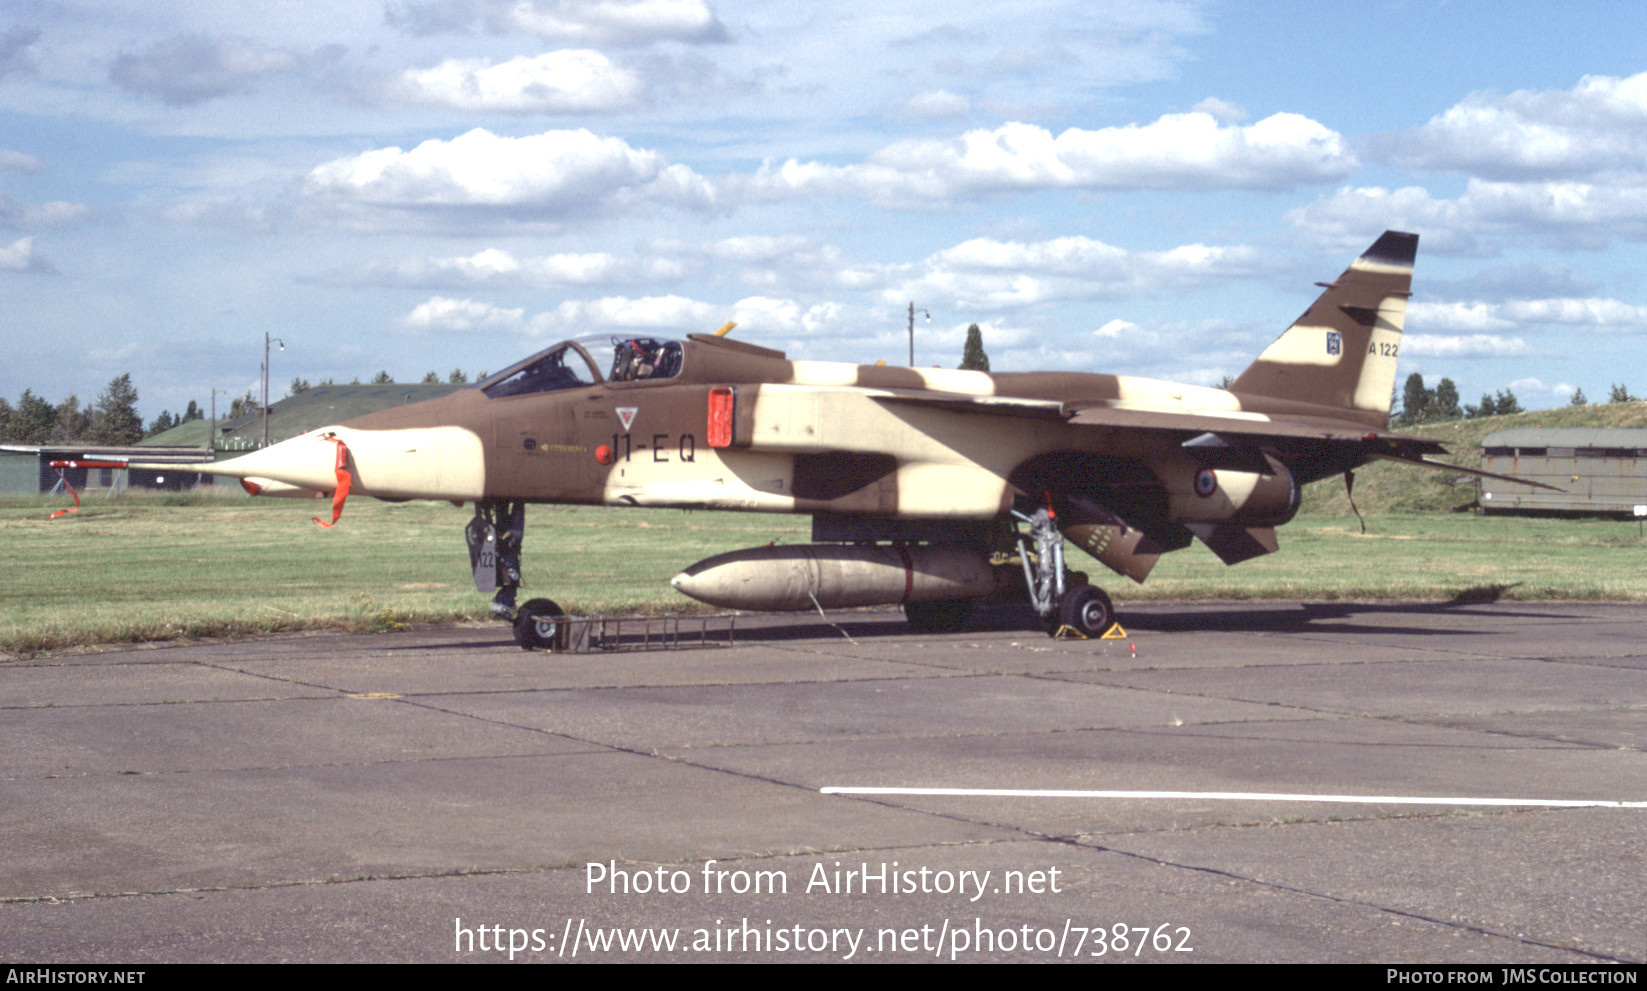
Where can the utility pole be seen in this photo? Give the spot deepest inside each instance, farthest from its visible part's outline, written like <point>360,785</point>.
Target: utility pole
<point>266,340</point>
<point>912,331</point>
<point>213,442</point>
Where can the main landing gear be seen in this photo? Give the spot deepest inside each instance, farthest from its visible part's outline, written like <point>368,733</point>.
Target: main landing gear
<point>494,538</point>
<point>1062,598</point>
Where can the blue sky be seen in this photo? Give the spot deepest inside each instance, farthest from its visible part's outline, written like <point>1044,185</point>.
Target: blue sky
<point>1139,187</point>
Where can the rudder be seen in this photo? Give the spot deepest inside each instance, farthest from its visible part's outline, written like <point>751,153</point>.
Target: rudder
<point>1342,352</point>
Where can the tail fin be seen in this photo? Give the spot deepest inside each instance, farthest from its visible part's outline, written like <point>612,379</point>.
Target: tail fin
<point>1342,351</point>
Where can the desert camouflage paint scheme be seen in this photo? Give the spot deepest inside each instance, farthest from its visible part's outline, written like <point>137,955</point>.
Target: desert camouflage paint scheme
<point>914,476</point>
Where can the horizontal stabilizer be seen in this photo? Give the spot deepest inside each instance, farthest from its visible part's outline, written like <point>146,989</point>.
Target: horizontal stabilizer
<point>1444,466</point>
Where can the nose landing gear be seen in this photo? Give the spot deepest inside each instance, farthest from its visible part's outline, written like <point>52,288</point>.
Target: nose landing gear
<point>494,538</point>
<point>540,625</point>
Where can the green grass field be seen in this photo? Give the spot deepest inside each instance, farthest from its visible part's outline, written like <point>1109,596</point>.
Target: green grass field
<point>147,568</point>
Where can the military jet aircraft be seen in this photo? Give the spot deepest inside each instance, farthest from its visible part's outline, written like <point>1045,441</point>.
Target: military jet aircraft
<point>928,488</point>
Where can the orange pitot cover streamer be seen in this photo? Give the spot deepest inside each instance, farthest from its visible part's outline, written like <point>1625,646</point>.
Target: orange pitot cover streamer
<point>66,485</point>
<point>60,465</point>
<point>342,493</point>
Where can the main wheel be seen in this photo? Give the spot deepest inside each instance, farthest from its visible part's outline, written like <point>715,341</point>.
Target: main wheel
<point>1087,610</point>
<point>948,616</point>
<point>540,625</point>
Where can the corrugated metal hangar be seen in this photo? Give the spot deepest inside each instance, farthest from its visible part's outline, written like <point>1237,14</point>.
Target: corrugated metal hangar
<point>1598,470</point>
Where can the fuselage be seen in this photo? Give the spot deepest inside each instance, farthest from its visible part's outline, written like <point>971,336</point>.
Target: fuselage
<point>795,436</point>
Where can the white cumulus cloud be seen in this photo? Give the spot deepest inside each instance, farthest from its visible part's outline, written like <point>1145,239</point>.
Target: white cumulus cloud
<point>568,81</point>
<point>1473,316</point>
<point>555,172</point>
<point>991,274</point>
<point>1598,126</point>
<point>1564,213</point>
<point>498,268</point>
<point>1476,322</point>
<point>57,213</point>
<point>674,314</point>
<point>1227,112</point>
<point>589,22</point>
<point>1568,167</point>
<point>1178,151</point>
<point>767,316</point>
<point>663,315</point>
<point>441,313</point>
<point>937,103</point>
<point>19,256</point>
<point>773,261</point>
<point>616,22</point>
<point>1593,313</point>
<point>1118,328</point>
<point>16,161</point>
<point>1463,345</point>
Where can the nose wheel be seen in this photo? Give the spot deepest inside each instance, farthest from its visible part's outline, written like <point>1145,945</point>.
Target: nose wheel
<point>540,625</point>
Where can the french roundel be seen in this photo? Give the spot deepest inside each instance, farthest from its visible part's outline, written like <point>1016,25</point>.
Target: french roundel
<point>1206,482</point>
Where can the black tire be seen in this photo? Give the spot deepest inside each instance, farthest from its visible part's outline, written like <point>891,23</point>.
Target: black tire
<point>1087,611</point>
<point>540,625</point>
<point>948,616</point>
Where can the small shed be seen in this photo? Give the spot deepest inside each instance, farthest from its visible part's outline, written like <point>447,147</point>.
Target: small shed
<point>1597,470</point>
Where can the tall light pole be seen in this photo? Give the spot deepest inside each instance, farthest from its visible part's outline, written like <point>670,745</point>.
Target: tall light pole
<point>266,341</point>
<point>213,443</point>
<point>912,331</point>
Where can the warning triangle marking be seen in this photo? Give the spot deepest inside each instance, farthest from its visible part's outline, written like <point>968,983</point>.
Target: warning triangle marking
<point>626,414</point>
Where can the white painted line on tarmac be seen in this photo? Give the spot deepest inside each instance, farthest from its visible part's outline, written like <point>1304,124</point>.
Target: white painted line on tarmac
<point>1239,796</point>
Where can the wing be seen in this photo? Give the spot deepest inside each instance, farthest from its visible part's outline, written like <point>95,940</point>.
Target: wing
<point>1219,438</point>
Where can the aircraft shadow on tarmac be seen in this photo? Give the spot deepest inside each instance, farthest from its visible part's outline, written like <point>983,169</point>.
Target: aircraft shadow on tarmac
<point>1317,617</point>
<point>1154,617</point>
<point>1322,617</point>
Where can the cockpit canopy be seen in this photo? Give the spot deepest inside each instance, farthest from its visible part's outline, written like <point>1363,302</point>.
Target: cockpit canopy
<point>571,364</point>
<point>637,359</point>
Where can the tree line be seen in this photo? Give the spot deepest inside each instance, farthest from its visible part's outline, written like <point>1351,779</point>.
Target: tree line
<point>113,420</point>
<point>1420,404</point>
<point>457,376</point>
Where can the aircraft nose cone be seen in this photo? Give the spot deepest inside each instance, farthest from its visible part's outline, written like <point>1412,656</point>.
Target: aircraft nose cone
<point>405,463</point>
<point>306,462</point>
